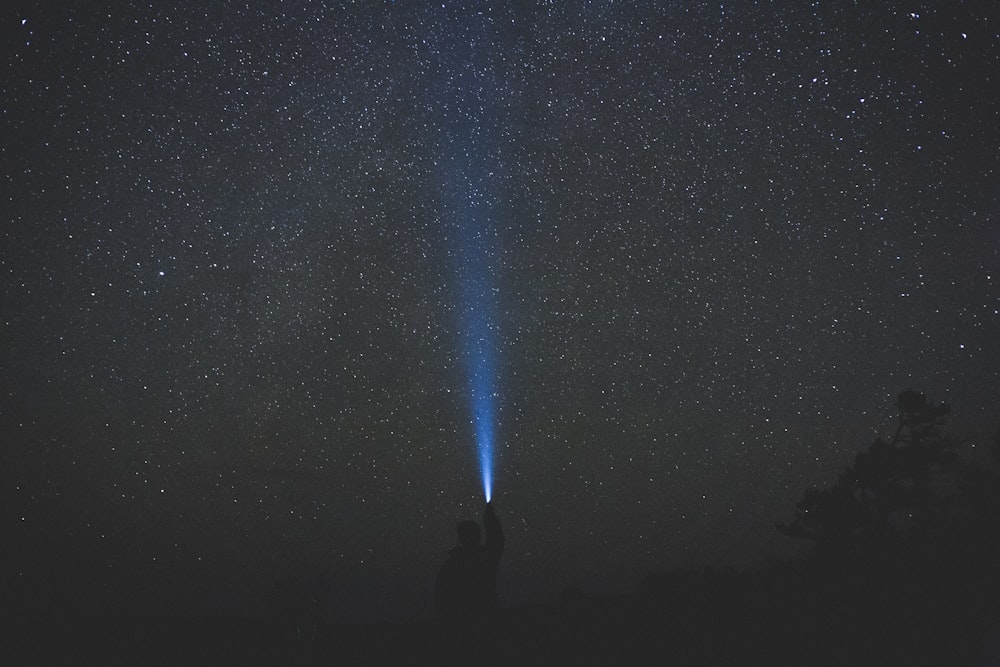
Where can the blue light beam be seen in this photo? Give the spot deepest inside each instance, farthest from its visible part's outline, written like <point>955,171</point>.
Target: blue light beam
<point>480,350</point>
<point>470,119</point>
<point>473,252</point>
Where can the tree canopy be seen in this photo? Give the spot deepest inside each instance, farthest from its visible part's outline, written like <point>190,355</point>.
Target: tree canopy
<point>914,485</point>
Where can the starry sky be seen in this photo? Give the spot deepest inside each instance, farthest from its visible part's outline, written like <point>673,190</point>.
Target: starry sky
<point>259,259</point>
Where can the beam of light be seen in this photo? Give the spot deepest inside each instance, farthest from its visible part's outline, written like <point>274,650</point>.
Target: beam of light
<point>480,357</point>
<point>470,121</point>
<point>473,248</point>
<point>478,333</point>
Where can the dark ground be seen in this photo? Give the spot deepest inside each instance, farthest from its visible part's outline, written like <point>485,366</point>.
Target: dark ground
<point>794,615</point>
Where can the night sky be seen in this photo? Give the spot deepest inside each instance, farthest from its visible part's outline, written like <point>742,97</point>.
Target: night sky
<point>267,271</point>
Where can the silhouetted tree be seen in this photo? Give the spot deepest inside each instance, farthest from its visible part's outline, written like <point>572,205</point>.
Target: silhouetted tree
<point>915,482</point>
<point>907,541</point>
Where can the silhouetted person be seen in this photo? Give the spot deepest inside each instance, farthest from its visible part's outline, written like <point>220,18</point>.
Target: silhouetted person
<point>466,587</point>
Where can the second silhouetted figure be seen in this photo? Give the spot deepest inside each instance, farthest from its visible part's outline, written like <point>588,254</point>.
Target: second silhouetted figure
<point>466,587</point>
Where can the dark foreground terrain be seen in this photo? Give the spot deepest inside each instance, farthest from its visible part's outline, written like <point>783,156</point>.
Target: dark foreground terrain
<point>694,618</point>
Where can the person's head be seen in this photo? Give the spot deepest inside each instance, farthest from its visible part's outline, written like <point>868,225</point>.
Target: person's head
<point>468,533</point>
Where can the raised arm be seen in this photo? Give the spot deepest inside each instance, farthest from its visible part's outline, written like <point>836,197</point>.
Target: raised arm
<point>494,534</point>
